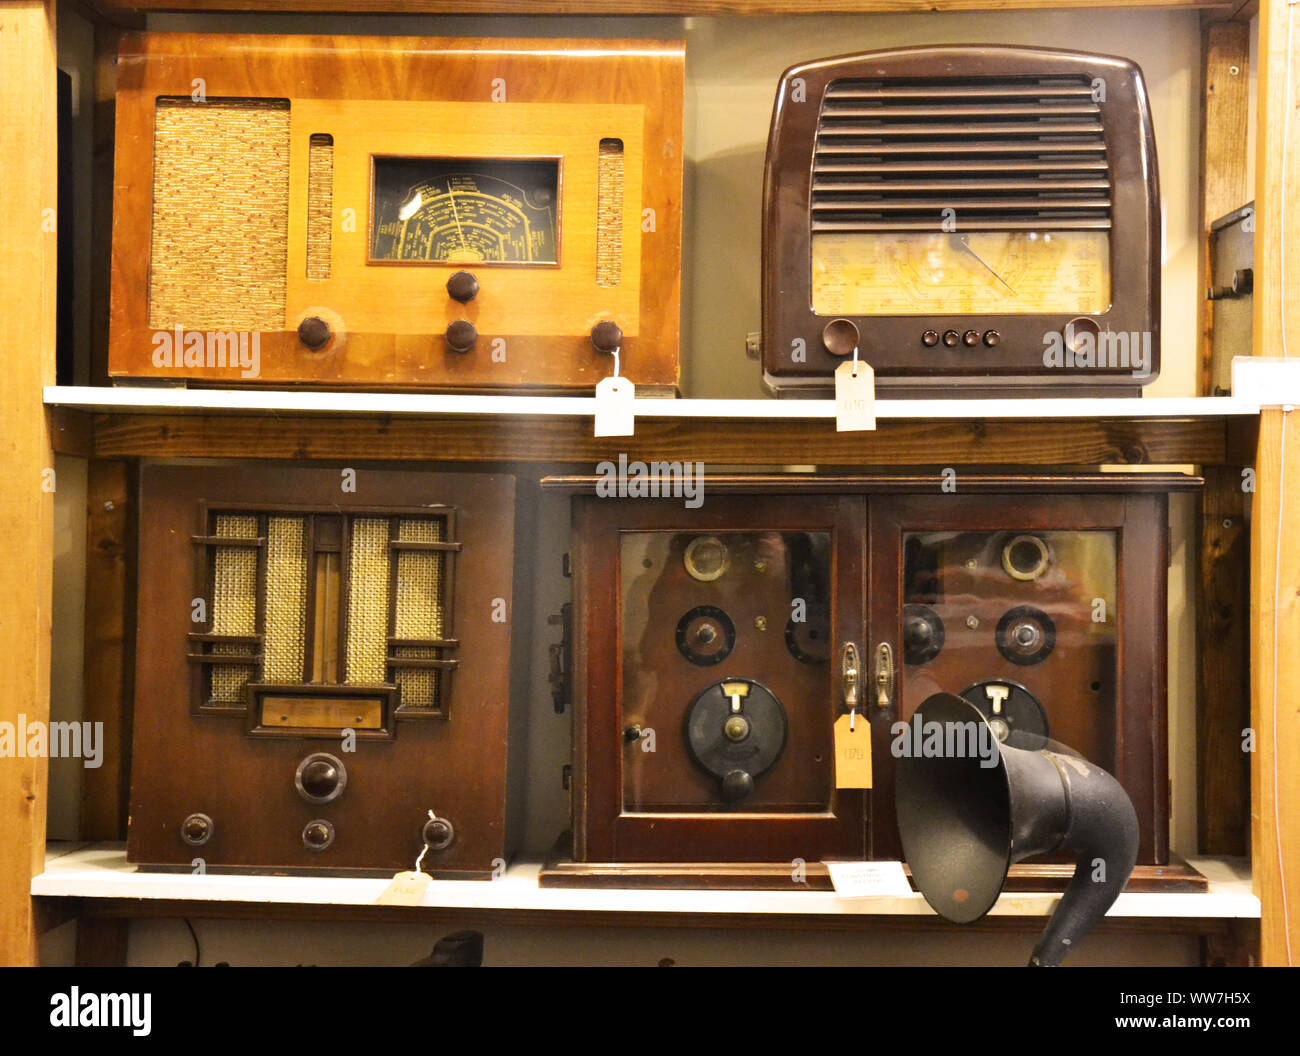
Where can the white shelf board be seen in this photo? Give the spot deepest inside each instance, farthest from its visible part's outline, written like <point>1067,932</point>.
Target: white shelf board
<point>100,870</point>
<point>142,399</point>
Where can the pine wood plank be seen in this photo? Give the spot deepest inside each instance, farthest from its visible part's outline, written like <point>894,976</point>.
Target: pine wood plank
<point>1275,559</point>
<point>1225,50</point>
<point>28,184</point>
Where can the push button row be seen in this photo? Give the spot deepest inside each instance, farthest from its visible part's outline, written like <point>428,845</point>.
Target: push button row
<point>952,338</point>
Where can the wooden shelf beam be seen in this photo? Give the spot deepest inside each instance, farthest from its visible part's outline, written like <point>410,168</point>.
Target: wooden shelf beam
<point>716,442</point>
<point>630,7</point>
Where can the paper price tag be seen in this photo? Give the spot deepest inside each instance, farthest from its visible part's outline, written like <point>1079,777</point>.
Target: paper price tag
<point>405,889</point>
<point>852,753</point>
<point>855,397</point>
<point>615,414</point>
<point>864,879</point>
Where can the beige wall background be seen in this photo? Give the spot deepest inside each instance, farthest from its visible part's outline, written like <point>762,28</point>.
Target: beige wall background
<point>733,65</point>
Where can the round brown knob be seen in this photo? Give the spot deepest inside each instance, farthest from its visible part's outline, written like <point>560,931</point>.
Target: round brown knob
<point>462,287</point>
<point>314,332</point>
<point>840,337</point>
<point>439,834</point>
<point>607,336</point>
<point>197,829</point>
<point>317,835</point>
<point>461,336</point>
<point>320,778</point>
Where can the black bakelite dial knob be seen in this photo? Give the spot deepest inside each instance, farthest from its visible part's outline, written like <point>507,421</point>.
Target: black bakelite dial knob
<point>462,287</point>
<point>606,336</point>
<point>439,833</point>
<point>320,778</point>
<point>314,332</point>
<point>317,835</point>
<point>197,829</point>
<point>461,336</point>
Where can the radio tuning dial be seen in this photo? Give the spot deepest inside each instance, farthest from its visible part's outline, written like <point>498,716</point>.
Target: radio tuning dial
<point>606,336</point>
<point>197,829</point>
<point>314,332</point>
<point>461,336</point>
<point>462,287</point>
<point>439,834</point>
<point>317,835</point>
<point>840,337</point>
<point>320,778</point>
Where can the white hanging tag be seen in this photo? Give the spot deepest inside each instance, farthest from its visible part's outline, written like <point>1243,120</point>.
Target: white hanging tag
<point>855,396</point>
<point>407,888</point>
<point>615,411</point>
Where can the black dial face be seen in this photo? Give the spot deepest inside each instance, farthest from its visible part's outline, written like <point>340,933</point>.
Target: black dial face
<point>465,211</point>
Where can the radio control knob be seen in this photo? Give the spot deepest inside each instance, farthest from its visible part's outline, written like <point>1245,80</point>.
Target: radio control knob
<point>951,338</point>
<point>462,287</point>
<point>606,336</point>
<point>930,338</point>
<point>317,835</point>
<point>992,338</point>
<point>314,332</point>
<point>970,338</point>
<point>461,336</point>
<point>439,833</point>
<point>320,778</point>
<point>197,829</point>
<point>737,784</point>
<point>840,337</point>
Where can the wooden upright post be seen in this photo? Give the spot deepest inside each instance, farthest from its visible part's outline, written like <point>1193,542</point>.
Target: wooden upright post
<point>1275,538</point>
<point>28,252</point>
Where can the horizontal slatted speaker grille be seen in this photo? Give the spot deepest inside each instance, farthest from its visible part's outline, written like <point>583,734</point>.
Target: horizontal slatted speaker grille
<point>1006,154</point>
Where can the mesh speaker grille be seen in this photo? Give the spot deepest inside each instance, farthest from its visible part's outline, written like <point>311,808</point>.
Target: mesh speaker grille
<point>367,640</point>
<point>220,233</point>
<point>286,599</point>
<point>418,612</point>
<point>609,213</point>
<point>320,204</point>
<point>234,604</point>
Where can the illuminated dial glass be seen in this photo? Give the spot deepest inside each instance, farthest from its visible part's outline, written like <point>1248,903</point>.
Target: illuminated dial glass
<point>465,210</point>
<point>961,273</point>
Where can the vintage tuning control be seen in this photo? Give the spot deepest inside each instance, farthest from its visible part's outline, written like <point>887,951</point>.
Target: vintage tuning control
<point>606,336</point>
<point>317,835</point>
<point>314,332</point>
<point>439,833</point>
<point>736,730</point>
<point>320,778</point>
<point>462,287</point>
<point>461,336</point>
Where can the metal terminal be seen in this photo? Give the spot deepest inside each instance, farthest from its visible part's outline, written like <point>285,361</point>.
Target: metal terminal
<point>884,676</point>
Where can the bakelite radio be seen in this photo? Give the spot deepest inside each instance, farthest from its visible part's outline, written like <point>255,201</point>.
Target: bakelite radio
<point>973,220</point>
<point>715,648</point>
<point>323,678</point>
<point>397,212</point>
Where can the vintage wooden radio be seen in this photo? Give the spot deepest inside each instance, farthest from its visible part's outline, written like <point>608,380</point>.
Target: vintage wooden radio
<point>323,675</point>
<point>715,649</point>
<point>397,212</point>
<point>975,221</point>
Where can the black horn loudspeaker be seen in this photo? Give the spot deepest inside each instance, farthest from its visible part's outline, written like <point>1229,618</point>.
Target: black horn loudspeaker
<point>970,806</point>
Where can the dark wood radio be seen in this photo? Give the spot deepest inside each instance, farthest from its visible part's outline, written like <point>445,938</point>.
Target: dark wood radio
<point>715,648</point>
<point>974,220</point>
<point>323,677</point>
